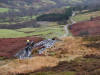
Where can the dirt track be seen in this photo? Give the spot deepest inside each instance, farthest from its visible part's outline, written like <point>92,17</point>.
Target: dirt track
<point>9,47</point>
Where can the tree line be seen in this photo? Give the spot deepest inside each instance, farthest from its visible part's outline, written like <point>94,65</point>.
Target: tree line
<point>56,16</point>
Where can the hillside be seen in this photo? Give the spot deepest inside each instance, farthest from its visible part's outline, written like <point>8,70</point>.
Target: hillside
<point>47,3</point>
<point>71,55</point>
<point>90,27</point>
<point>64,37</point>
<point>37,3</point>
<point>85,15</point>
<point>22,14</point>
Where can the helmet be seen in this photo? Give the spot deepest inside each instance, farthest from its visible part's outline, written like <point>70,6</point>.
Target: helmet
<point>28,40</point>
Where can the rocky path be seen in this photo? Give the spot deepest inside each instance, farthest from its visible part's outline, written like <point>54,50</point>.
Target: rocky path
<point>72,21</point>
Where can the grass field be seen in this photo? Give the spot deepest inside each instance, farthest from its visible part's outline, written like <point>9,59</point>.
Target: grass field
<point>85,16</point>
<point>18,19</point>
<point>47,32</point>
<point>28,17</point>
<point>4,10</point>
<point>73,1</point>
<point>6,33</point>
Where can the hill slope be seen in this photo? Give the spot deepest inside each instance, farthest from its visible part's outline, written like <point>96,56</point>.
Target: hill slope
<point>64,50</point>
<point>48,4</point>
<point>38,3</point>
<point>90,27</point>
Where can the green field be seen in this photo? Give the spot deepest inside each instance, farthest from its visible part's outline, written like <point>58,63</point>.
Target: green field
<point>18,19</point>
<point>85,16</point>
<point>47,32</point>
<point>74,1</point>
<point>28,17</point>
<point>2,10</point>
<point>6,33</point>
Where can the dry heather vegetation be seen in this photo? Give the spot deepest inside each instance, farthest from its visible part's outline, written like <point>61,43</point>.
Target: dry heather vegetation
<point>78,55</point>
<point>75,46</point>
<point>27,65</point>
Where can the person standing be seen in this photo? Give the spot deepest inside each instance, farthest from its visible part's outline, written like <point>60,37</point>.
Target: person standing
<point>28,42</point>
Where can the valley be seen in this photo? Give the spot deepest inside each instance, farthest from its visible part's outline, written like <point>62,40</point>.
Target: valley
<point>49,37</point>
